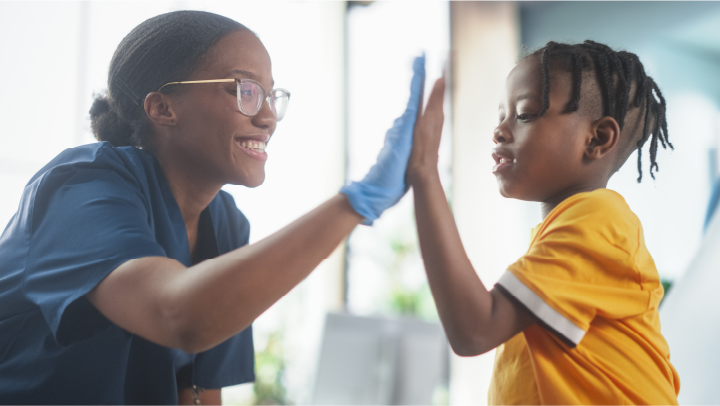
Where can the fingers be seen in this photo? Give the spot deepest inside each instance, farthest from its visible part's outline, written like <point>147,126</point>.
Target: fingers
<point>428,131</point>
<point>424,156</point>
<point>416,85</point>
<point>437,96</point>
<point>420,101</point>
<point>432,118</point>
<point>401,131</point>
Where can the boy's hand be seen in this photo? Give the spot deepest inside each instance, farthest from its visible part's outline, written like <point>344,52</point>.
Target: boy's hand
<point>426,140</point>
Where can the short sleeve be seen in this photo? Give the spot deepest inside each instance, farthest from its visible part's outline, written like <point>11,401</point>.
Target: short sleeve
<point>229,363</point>
<point>85,223</point>
<point>580,265</point>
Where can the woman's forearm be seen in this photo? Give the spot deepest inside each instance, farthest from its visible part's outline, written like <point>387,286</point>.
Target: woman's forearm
<point>199,307</point>
<point>246,282</point>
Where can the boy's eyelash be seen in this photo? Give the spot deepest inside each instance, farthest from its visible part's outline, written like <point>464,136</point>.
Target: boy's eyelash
<point>525,116</point>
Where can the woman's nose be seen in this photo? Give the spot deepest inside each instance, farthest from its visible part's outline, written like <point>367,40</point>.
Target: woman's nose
<point>265,118</point>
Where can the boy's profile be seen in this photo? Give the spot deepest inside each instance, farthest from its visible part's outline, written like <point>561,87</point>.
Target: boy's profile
<point>576,317</point>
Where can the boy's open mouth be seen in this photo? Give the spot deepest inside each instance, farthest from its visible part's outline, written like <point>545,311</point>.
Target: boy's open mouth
<point>504,157</point>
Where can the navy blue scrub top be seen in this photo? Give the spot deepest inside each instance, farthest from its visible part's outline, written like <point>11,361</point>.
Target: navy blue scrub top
<point>86,212</point>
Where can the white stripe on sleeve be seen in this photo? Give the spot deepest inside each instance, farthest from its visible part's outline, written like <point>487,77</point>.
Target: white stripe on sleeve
<point>540,309</point>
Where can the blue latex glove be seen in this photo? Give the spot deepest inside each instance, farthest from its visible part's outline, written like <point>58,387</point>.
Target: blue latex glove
<point>385,184</point>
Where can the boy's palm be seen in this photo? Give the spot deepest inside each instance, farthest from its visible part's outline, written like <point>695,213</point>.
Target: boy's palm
<point>426,139</point>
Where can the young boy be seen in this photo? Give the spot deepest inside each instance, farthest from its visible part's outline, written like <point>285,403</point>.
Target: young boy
<point>576,317</point>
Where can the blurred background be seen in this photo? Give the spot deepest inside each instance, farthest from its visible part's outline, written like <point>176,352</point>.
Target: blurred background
<point>347,64</point>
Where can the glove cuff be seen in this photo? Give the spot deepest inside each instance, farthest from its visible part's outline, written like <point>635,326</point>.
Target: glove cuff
<point>354,193</point>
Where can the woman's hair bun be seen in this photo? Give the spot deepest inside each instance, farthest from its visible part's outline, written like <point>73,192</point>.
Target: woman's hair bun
<point>107,125</point>
<point>99,106</point>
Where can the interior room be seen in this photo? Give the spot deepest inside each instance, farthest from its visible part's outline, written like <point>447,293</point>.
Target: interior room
<point>348,66</point>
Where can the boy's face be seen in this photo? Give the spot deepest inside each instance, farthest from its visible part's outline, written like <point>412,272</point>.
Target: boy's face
<point>540,158</point>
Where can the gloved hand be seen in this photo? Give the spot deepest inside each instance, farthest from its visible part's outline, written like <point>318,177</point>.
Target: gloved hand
<point>385,183</point>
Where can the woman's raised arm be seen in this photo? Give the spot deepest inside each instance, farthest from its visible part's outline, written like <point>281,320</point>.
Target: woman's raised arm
<point>199,307</point>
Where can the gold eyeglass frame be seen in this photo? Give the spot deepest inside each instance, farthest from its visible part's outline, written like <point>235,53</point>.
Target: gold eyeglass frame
<point>239,80</point>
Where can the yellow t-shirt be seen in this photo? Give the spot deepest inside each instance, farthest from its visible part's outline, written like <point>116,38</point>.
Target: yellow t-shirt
<point>592,285</point>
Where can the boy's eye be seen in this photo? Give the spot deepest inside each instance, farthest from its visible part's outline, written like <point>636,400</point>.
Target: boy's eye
<point>524,116</point>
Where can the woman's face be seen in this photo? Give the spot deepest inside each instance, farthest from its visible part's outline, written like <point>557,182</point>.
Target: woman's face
<point>212,137</point>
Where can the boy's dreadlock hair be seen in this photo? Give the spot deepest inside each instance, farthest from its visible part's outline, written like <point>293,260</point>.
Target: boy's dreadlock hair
<point>623,86</point>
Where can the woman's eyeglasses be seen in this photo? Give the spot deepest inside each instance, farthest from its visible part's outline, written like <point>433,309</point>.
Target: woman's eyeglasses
<point>250,96</point>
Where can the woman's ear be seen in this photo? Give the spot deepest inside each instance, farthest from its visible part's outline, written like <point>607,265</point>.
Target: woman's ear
<point>159,110</point>
<point>605,136</point>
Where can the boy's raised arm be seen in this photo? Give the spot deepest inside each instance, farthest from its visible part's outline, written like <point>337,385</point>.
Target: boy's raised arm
<point>475,320</point>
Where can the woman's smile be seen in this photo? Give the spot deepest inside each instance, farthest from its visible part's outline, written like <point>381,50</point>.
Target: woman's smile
<point>253,146</point>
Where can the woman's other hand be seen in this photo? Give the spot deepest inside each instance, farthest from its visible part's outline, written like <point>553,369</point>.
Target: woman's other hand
<point>423,161</point>
<point>385,183</point>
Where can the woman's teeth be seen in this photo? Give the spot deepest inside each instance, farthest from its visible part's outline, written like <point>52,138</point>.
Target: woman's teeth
<point>507,160</point>
<point>255,145</point>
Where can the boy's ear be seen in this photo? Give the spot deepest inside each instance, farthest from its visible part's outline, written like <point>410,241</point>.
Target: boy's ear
<point>605,135</point>
<point>159,109</point>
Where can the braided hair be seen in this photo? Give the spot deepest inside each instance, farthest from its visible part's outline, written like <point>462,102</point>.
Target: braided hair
<point>623,86</point>
<point>165,48</point>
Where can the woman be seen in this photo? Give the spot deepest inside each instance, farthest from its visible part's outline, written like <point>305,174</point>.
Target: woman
<point>125,276</point>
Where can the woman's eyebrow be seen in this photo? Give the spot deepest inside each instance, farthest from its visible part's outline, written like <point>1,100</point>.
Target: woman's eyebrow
<point>248,74</point>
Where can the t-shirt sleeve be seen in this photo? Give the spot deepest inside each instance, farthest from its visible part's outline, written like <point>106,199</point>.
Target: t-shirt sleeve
<point>580,265</point>
<point>85,223</point>
<point>230,363</point>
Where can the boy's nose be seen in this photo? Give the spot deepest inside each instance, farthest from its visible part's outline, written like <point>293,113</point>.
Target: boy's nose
<point>501,136</point>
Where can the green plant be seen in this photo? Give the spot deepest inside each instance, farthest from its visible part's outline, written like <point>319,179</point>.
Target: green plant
<point>270,366</point>
<point>407,300</point>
